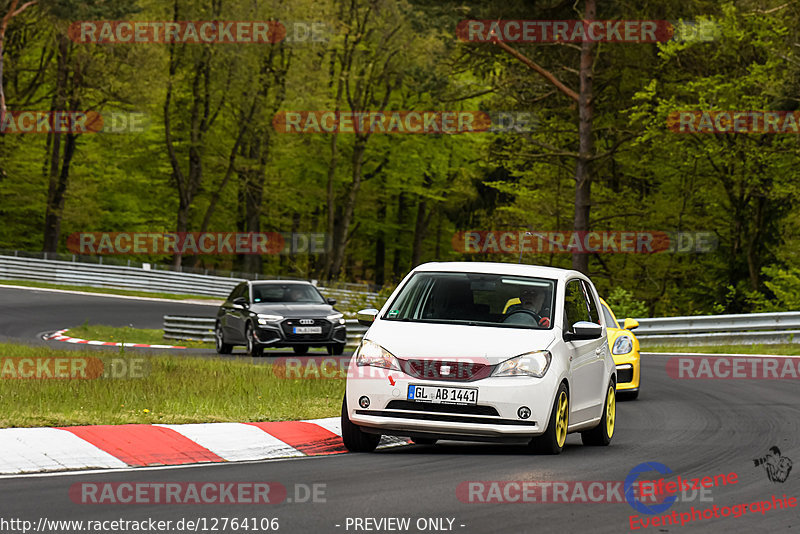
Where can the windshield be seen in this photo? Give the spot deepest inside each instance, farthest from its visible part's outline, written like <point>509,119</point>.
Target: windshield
<point>610,321</point>
<point>475,299</point>
<point>296,293</point>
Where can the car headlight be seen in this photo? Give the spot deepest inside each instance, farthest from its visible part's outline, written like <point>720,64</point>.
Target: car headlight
<point>336,318</point>
<point>529,364</point>
<point>623,345</point>
<point>374,355</point>
<point>264,318</point>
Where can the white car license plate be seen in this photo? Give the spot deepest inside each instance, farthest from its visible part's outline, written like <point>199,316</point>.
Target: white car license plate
<point>307,330</point>
<point>442,395</point>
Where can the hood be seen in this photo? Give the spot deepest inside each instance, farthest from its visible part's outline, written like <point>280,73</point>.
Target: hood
<point>293,310</point>
<point>428,341</point>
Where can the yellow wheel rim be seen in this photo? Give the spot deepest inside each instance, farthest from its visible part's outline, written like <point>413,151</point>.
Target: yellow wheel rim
<point>611,411</point>
<point>562,418</point>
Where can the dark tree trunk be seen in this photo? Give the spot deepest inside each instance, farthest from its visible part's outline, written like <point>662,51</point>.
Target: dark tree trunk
<point>343,230</point>
<point>421,224</point>
<point>420,230</point>
<point>380,245</point>
<point>57,197</point>
<point>437,253</point>
<point>253,197</point>
<point>59,171</point>
<point>398,252</point>
<point>583,172</point>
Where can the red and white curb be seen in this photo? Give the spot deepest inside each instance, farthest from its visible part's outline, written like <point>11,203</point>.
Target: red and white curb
<point>59,336</point>
<point>32,450</point>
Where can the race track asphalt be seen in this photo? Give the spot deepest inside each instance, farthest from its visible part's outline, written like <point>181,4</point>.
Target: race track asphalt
<point>695,427</point>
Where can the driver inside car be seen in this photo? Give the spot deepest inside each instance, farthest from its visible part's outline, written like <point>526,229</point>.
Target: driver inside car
<point>532,300</point>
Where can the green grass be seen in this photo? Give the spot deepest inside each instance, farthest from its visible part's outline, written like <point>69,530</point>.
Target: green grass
<point>106,290</point>
<point>784,349</point>
<point>127,334</point>
<point>174,389</point>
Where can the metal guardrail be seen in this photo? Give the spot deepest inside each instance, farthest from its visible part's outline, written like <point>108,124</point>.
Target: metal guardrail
<point>704,330</point>
<point>719,323</point>
<point>202,329</point>
<point>189,328</point>
<point>734,329</point>
<point>205,271</point>
<point>114,276</point>
<point>144,279</point>
<point>762,328</point>
<point>721,338</point>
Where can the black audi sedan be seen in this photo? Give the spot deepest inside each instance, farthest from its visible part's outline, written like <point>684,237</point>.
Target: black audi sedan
<point>279,313</point>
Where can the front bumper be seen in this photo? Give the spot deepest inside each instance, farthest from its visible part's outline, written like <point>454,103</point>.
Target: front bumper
<point>494,417</point>
<point>275,335</point>
<point>628,370</point>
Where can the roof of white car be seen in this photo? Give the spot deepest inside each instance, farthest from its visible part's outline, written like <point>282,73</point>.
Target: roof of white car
<point>267,282</point>
<point>513,269</point>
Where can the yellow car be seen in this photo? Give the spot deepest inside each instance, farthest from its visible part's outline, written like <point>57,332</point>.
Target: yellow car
<point>625,351</point>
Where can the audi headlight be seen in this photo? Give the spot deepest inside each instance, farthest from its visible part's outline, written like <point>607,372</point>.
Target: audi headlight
<point>374,355</point>
<point>623,345</point>
<point>264,318</point>
<point>336,318</point>
<point>529,364</point>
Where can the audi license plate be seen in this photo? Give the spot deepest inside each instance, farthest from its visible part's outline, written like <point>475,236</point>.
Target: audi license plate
<point>442,395</point>
<point>307,330</point>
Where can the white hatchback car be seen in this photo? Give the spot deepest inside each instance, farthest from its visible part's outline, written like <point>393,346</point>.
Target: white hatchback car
<point>483,352</point>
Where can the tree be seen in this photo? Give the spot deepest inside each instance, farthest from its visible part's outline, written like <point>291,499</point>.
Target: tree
<point>11,11</point>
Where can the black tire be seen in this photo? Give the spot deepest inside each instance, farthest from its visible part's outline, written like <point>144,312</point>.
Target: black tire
<point>552,441</point>
<point>337,349</point>
<point>253,349</point>
<point>628,395</point>
<point>601,435</point>
<point>300,350</point>
<point>219,341</point>
<point>424,441</point>
<point>355,439</point>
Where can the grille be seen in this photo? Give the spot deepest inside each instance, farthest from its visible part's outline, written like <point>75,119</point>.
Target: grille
<point>625,375</point>
<point>442,408</point>
<point>287,326</point>
<point>266,336</point>
<point>445,370</point>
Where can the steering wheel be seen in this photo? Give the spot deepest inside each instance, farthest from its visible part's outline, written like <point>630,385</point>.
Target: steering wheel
<point>536,316</point>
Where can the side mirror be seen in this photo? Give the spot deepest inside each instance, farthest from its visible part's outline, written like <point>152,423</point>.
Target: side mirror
<point>332,302</point>
<point>583,330</point>
<point>366,317</point>
<point>241,301</point>
<point>630,324</point>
